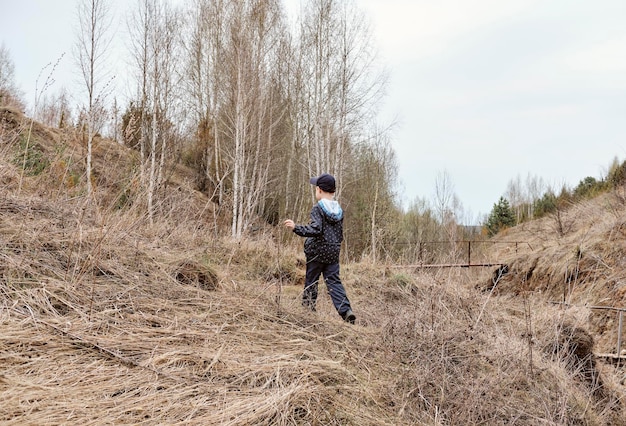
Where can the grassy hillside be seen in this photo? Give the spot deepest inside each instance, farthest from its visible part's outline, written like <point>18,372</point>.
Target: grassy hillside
<point>106,318</point>
<point>576,258</point>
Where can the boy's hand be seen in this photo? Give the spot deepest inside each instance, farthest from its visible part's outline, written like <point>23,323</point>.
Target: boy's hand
<point>289,224</point>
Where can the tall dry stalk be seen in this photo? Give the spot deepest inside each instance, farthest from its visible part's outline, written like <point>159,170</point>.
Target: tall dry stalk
<point>276,237</point>
<point>529,333</point>
<point>49,81</point>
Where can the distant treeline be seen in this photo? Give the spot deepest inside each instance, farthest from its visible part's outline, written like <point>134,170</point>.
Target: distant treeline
<point>519,205</point>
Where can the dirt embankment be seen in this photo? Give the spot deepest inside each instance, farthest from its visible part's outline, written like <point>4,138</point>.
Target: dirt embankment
<point>576,258</point>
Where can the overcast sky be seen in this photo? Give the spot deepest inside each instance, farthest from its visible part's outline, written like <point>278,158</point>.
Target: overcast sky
<point>483,90</point>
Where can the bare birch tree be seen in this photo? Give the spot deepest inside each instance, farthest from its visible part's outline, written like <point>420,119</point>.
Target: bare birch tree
<point>340,84</point>
<point>9,93</point>
<point>204,50</point>
<point>515,196</point>
<point>94,19</point>
<point>163,72</point>
<point>139,30</point>
<point>369,196</point>
<point>253,113</point>
<point>535,187</point>
<point>154,53</point>
<point>267,107</point>
<point>55,110</point>
<point>447,204</point>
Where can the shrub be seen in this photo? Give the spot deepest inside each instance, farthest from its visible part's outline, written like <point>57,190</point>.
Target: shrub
<point>31,158</point>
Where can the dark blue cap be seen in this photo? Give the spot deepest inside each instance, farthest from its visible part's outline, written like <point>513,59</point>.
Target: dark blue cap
<point>325,181</point>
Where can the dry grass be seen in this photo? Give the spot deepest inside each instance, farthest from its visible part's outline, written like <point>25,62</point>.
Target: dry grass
<point>104,333</point>
<point>108,319</point>
<point>583,267</point>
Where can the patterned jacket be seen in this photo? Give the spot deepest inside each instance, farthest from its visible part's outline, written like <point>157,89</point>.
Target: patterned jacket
<point>324,233</point>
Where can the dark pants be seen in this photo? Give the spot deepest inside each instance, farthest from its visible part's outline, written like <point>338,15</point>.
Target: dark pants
<point>333,283</point>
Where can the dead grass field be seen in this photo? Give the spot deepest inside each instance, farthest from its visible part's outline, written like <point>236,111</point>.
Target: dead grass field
<point>108,319</point>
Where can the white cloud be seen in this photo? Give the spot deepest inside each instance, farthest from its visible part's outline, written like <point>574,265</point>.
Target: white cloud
<point>601,56</point>
<point>412,29</point>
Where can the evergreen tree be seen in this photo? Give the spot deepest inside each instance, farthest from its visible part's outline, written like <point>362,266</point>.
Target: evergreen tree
<point>501,217</point>
<point>588,187</point>
<point>544,205</point>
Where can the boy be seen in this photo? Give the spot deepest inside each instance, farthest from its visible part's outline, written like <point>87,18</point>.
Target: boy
<point>324,235</point>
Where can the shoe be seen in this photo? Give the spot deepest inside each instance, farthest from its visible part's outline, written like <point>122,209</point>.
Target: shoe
<point>349,316</point>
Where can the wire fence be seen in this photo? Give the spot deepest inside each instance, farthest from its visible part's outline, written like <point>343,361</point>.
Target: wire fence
<point>450,253</point>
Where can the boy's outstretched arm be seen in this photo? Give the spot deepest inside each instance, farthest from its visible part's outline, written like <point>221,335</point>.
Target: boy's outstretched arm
<point>313,229</point>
